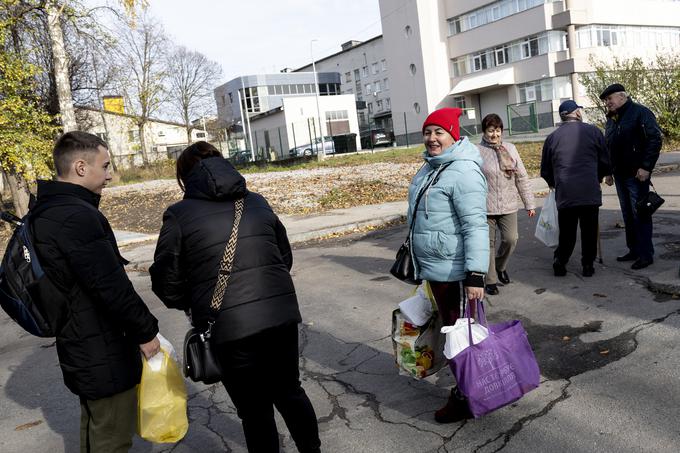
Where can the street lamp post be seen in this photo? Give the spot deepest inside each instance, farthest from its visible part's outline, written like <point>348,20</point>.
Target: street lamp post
<point>321,154</point>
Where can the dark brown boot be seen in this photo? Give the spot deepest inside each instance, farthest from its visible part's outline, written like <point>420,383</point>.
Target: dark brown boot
<point>456,409</point>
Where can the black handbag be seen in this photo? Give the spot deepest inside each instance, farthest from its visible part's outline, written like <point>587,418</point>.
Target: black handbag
<point>647,205</point>
<point>404,267</point>
<point>200,364</point>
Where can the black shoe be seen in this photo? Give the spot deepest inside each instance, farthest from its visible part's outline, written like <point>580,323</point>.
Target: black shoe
<point>491,290</point>
<point>641,263</point>
<point>588,270</point>
<point>503,277</point>
<point>630,256</point>
<point>559,269</point>
<point>456,409</point>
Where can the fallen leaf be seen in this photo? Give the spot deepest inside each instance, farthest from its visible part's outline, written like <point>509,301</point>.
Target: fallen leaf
<point>28,425</point>
<point>599,295</point>
<point>566,338</point>
<point>539,290</point>
<point>604,352</point>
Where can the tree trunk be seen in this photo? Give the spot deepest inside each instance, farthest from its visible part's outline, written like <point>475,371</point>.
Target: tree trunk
<point>20,194</point>
<point>188,134</point>
<point>60,62</point>
<point>142,143</point>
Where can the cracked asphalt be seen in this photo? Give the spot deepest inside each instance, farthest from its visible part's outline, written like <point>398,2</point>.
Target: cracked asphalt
<point>606,347</point>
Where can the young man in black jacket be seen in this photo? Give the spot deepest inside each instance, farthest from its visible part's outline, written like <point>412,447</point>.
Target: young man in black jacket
<point>634,140</point>
<point>106,323</point>
<point>574,162</point>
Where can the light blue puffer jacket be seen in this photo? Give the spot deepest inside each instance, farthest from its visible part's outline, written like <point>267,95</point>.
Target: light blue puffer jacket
<point>450,236</point>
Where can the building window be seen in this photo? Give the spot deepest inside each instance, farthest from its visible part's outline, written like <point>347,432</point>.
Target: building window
<point>388,104</point>
<point>376,86</point>
<point>370,108</point>
<point>630,36</point>
<point>490,13</point>
<point>362,118</point>
<point>356,74</point>
<point>200,134</point>
<point>368,88</point>
<point>551,41</point>
<point>386,84</point>
<point>364,71</point>
<point>459,101</point>
<point>348,77</point>
<point>133,135</point>
<point>544,89</point>
<point>374,68</point>
<point>336,115</point>
<point>357,86</point>
<point>383,64</point>
<point>379,105</point>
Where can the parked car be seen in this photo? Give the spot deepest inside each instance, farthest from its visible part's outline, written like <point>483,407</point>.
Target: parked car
<point>241,157</point>
<point>309,150</point>
<point>379,137</point>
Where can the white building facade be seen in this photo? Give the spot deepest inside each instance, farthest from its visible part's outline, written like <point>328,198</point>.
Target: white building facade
<point>164,139</point>
<point>278,112</point>
<point>510,57</point>
<point>364,73</point>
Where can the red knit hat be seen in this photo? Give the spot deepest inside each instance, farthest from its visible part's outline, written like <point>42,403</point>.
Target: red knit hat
<point>447,119</point>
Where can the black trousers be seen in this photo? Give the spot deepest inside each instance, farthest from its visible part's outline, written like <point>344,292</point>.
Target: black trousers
<point>568,219</point>
<point>447,295</point>
<point>261,372</point>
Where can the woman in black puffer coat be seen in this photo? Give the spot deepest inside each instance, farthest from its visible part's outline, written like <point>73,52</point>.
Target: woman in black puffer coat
<point>256,329</point>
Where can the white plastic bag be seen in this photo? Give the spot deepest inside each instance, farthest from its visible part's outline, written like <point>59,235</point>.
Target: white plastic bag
<point>417,309</point>
<point>547,228</point>
<point>458,336</point>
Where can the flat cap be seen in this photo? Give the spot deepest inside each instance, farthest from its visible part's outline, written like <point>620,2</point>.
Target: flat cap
<point>615,88</point>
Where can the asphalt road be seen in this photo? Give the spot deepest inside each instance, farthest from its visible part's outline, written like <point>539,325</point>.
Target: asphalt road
<point>606,346</point>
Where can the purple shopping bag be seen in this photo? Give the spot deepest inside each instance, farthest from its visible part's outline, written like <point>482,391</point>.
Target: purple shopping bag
<point>499,369</point>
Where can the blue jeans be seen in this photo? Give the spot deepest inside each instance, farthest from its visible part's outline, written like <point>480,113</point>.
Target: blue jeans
<point>638,229</point>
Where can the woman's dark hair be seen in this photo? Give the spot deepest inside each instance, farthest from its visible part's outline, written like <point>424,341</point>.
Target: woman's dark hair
<point>492,120</point>
<point>191,156</point>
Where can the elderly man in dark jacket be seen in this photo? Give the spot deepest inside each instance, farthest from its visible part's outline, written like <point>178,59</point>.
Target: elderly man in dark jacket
<point>634,140</point>
<point>106,323</point>
<point>574,162</point>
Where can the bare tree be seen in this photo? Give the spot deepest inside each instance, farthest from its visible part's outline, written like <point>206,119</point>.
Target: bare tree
<point>142,53</point>
<point>191,79</point>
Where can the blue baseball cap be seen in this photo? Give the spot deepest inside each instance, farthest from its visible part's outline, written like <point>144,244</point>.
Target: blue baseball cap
<point>569,106</point>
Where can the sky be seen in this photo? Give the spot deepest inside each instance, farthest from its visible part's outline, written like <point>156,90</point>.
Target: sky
<point>264,36</point>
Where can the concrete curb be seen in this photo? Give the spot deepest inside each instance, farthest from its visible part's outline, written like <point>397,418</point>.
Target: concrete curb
<point>297,238</point>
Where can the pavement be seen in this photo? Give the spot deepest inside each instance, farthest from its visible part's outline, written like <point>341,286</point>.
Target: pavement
<point>606,347</point>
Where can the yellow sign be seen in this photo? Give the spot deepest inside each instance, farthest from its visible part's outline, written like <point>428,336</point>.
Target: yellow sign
<point>114,104</point>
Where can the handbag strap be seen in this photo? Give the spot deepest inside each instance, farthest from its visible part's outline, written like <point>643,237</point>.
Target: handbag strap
<point>437,172</point>
<point>227,259</point>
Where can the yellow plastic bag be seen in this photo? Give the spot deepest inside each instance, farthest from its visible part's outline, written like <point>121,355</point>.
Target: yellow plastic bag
<point>162,398</point>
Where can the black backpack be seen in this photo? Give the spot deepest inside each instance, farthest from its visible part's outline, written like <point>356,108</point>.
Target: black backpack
<point>26,293</point>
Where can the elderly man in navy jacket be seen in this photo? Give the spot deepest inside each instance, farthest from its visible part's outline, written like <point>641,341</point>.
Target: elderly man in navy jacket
<point>574,162</point>
<point>634,140</point>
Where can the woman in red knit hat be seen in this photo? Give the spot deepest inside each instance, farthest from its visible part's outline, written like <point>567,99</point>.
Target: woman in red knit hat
<point>449,237</point>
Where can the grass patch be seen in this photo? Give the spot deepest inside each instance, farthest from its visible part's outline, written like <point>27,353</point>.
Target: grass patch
<point>360,193</point>
<point>161,169</point>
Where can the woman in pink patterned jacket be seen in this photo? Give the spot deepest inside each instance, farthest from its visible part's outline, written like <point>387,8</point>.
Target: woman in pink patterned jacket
<point>506,178</point>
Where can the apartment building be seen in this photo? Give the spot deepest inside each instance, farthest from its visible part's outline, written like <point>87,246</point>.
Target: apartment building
<point>364,73</point>
<point>516,58</point>
<point>278,112</point>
